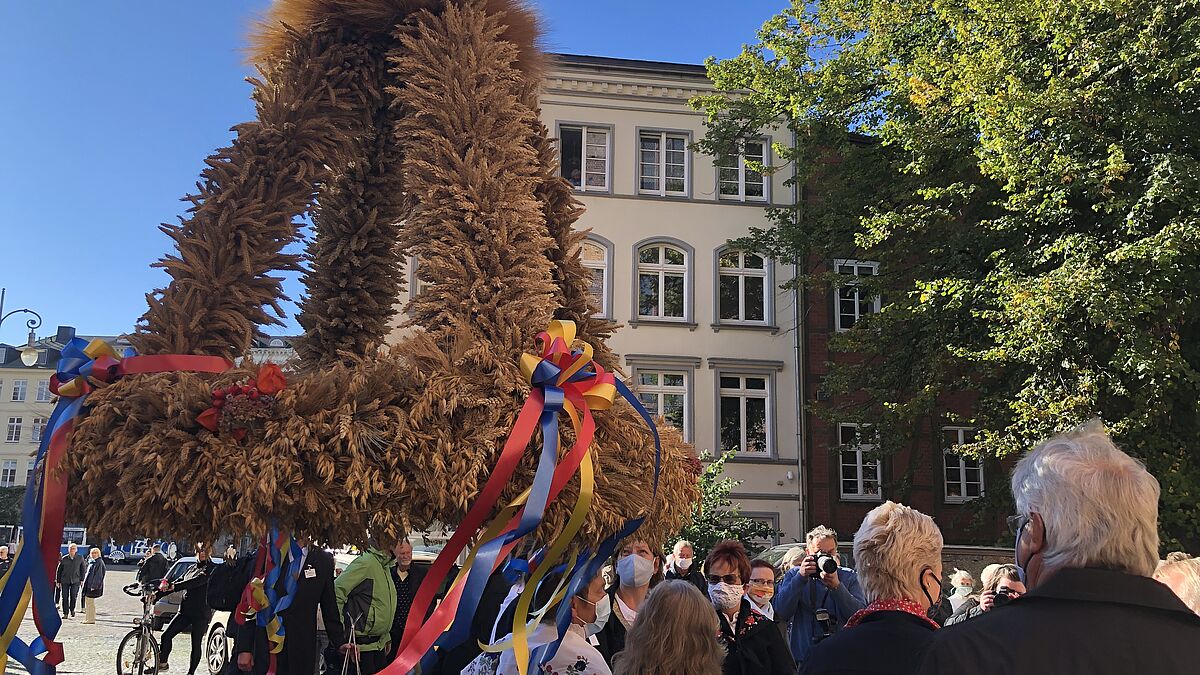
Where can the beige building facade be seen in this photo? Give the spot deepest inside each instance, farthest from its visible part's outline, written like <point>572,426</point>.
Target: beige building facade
<point>708,338</point>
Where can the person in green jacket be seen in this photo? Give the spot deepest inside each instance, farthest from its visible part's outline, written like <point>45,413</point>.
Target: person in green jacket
<point>367,601</point>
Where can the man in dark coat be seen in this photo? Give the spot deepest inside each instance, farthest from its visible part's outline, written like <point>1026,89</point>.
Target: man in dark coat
<point>1087,543</point>
<point>194,612</point>
<point>153,567</point>
<point>5,560</point>
<point>683,565</point>
<point>314,590</point>
<point>407,578</point>
<point>68,578</point>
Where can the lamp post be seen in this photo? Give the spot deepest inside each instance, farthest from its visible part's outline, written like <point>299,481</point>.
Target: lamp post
<point>29,353</point>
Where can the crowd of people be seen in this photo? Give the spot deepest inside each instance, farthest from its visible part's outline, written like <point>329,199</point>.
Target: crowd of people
<point>1085,593</point>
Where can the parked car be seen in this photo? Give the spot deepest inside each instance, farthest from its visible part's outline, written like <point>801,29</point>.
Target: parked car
<point>168,606</point>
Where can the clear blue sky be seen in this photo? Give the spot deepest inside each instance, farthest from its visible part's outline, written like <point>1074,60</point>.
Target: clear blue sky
<point>109,108</point>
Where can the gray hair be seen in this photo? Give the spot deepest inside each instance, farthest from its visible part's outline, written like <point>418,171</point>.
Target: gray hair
<point>818,533</point>
<point>1183,576</point>
<point>961,575</point>
<point>680,544</point>
<point>1100,505</point>
<point>894,544</point>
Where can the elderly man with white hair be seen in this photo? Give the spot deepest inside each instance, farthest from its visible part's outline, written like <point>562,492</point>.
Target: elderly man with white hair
<point>1086,543</point>
<point>898,552</point>
<point>683,566</point>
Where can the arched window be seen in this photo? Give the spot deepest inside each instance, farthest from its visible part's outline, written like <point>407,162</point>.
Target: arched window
<point>596,254</point>
<point>744,292</point>
<point>662,283</point>
<point>276,343</point>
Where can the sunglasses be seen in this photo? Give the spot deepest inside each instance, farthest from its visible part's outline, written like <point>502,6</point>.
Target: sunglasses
<point>733,579</point>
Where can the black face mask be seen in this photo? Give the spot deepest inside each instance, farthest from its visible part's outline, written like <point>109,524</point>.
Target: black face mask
<point>921,580</point>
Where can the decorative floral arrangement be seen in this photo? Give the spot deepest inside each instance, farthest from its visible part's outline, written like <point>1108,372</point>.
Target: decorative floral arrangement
<point>240,408</point>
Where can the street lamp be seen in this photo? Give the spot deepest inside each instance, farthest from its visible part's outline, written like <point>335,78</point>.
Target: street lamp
<point>29,353</point>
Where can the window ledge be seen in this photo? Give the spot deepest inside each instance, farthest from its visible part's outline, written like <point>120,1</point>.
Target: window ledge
<point>960,500</point>
<point>750,459</point>
<point>728,325</point>
<point>867,499</point>
<point>635,322</point>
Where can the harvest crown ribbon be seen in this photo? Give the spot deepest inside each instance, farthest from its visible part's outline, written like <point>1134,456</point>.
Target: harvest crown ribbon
<point>563,379</point>
<point>82,367</point>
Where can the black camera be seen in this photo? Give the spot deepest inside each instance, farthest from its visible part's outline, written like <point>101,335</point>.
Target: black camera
<point>1003,597</point>
<point>824,624</point>
<point>825,563</point>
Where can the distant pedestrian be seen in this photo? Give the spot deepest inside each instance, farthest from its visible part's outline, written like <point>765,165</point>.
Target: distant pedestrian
<point>366,597</point>
<point>68,578</point>
<point>5,561</point>
<point>153,567</point>
<point>407,578</point>
<point>93,584</point>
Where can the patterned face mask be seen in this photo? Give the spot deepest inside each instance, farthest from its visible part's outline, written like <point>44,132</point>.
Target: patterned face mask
<point>725,596</point>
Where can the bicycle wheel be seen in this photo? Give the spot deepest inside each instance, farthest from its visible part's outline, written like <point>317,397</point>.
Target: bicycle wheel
<point>138,654</point>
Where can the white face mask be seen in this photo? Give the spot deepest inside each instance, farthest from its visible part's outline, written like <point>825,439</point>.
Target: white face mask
<point>603,611</point>
<point>963,591</point>
<point>725,596</point>
<point>635,570</point>
<point>683,563</point>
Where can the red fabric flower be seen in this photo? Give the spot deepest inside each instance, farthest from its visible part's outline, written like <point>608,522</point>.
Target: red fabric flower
<point>209,419</point>
<point>270,379</point>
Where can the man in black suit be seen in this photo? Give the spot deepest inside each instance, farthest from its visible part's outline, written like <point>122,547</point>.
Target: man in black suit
<point>314,589</point>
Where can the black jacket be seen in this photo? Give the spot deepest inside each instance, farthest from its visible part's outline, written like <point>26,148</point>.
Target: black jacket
<point>693,576</point>
<point>611,639</point>
<point>406,592</point>
<point>755,646</point>
<point>70,570</point>
<point>314,589</point>
<point>4,565</point>
<point>153,568</point>
<point>968,610</point>
<point>1092,621</point>
<point>884,643</point>
<point>195,589</point>
<point>93,582</point>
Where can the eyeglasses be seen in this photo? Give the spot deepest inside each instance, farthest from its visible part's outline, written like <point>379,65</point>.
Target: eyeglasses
<point>1017,523</point>
<point>762,582</point>
<point>732,579</point>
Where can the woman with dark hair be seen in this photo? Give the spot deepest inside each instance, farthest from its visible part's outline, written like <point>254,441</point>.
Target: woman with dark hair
<point>753,642</point>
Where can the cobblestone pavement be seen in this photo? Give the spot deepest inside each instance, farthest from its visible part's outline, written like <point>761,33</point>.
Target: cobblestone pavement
<point>92,649</point>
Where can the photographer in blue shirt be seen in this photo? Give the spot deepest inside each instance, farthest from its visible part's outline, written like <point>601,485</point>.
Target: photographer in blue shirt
<point>817,596</point>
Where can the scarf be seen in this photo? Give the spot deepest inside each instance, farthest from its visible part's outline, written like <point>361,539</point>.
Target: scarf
<point>894,605</point>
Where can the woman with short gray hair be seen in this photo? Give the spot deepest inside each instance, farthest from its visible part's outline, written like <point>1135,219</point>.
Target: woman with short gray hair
<point>898,556</point>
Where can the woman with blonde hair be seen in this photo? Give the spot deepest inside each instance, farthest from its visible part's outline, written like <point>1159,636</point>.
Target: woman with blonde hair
<point>675,634</point>
<point>898,556</point>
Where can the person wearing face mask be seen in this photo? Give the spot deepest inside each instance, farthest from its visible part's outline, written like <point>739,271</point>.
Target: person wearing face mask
<point>753,643</point>
<point>964,585</point>
<point>575,654</point>
<point>762,589</point>
<point>898,551</point>
<point>637,566</point>
<point>683,567</point>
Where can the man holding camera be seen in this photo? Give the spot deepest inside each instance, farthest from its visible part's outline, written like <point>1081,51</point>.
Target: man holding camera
<point>816,596</point>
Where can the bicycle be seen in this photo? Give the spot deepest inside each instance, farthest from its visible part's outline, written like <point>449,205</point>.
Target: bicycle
<point>138,653</point>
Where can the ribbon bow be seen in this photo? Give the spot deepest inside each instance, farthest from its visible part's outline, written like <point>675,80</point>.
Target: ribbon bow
<point>563,378</point>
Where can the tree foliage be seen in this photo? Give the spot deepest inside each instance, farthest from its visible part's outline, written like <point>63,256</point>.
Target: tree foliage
<point>1027,173</point>
<point>717,518</point>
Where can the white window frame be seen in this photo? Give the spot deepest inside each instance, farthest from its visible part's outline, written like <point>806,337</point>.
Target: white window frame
<point>742,273</point>
<point>741,392</point>
<point>30,466</point>
<point>961,468</point>
<point>608,146</point>
<point>20,390</point>
<point>861,450</point>
<point>8,473</point>
<point>876,302</point>
<point>606,248</point>
<point>660,390</point>
<point>663,269</point>
<point>739,164</point>
<point>663,135</point>
<point>43,391</point>
<point>13,431</point>
<point>37,429</point>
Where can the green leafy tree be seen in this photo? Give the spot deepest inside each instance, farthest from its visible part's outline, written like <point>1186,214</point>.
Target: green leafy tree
<point>10,505</point>
<point>717,518</point>
<point>1028,175</point>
